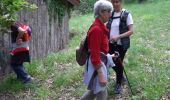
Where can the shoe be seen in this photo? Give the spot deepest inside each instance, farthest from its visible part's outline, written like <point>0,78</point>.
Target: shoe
<point>28,79</point>
<point>118,89</point>
<point>124,80</point>
<point>19,78</point>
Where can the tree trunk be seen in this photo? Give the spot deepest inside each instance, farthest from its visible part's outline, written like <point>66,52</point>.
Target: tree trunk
<point>4,53</point>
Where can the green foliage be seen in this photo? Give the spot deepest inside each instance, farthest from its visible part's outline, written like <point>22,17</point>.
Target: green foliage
<point>86,6</point>
<point>43,92</point>
<point>76,27</point>
<point>10,84</point>
<point>57,8</point>
<point>8,9</point>
<point>133,1</point>
<point>147,61</point>
<point>147,65</point>
<point>140,1</point>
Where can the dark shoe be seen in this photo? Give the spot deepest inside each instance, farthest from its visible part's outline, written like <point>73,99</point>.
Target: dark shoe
<point>28,79</point>
<point>19,78</point>
<point>124,80</point>
<point>118,89</point>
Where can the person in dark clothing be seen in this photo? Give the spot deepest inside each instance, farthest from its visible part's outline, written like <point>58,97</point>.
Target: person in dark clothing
<point>20,37</point>
<point>120,26</point>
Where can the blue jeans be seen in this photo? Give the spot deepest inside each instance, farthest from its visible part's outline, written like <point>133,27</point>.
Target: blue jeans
<point>20,71</point>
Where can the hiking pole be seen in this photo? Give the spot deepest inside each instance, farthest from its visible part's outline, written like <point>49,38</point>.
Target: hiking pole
<point>121,64</point>
<point>128,82</point>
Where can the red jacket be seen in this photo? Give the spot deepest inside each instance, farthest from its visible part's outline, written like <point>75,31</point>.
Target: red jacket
<point>97,41</point>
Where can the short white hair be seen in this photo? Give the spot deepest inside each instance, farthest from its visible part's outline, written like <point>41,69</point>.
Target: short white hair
<point>101,5</point>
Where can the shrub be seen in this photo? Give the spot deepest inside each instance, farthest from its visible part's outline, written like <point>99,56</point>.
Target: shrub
<point>86,6</point>
<point>134,1</point>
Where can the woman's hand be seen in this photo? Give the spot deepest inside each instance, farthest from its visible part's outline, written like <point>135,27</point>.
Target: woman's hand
<point>115,38</point>
<point>19,41</point>
<point>102,79</point>
<point>115,55</point>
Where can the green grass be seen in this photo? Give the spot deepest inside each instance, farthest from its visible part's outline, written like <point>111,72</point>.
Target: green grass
<point>80,24</point>
<point>147,62</point>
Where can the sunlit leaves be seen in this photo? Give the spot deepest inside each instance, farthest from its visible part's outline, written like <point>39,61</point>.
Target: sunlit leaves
<point>8,9</point>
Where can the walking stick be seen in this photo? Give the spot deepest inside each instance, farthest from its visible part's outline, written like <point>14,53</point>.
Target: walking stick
<point>121,65</point>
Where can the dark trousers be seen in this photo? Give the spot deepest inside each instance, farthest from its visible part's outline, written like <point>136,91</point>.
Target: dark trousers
<point>20,71</point>
<point>118,69</point>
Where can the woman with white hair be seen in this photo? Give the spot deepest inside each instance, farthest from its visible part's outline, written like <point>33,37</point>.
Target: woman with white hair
<point>95,74</point>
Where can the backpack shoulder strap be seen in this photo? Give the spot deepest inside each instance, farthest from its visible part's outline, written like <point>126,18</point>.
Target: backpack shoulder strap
<point>124,14</point>
<point>112,14</point>
<point>110,21</point>
<point>91,27</point>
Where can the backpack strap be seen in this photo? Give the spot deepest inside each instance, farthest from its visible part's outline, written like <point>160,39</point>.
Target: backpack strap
<point>124,15</point>
<point>91,27</point>
<point>110,21</point>
<point>124,28</point>
<point>123,21</point>
<point>116,17</point>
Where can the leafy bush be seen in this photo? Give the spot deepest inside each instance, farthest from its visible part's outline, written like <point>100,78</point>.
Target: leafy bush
<point>140,1</point>
<point>86,6</point>
<point>9,8</point>
<point>134,1</point>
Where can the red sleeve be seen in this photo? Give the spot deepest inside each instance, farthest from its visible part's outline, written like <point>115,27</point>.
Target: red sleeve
<point>94,44</point>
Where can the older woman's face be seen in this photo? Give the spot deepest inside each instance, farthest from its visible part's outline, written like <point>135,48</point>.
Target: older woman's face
<point>105,15</point>
<point>116,5</point>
